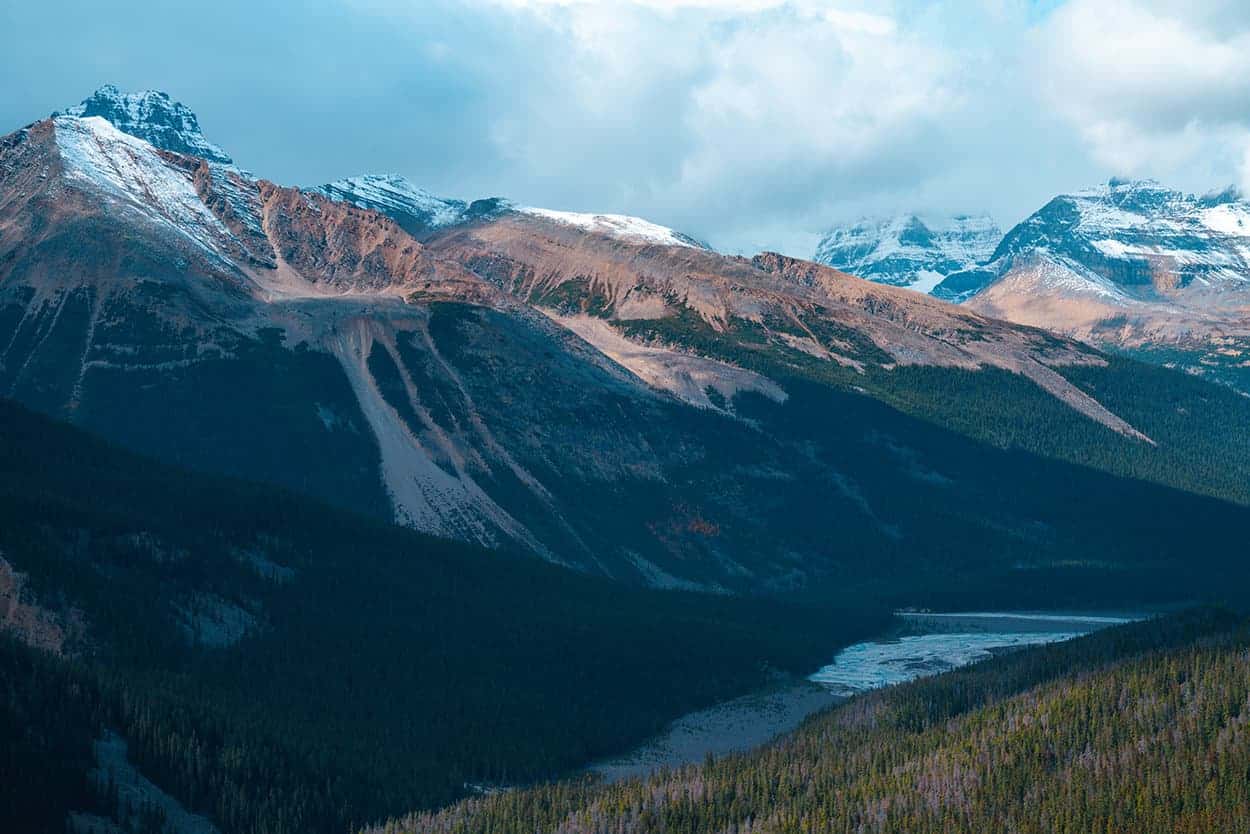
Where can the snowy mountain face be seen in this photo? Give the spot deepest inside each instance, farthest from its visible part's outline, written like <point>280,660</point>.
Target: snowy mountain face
<point>1131,264</point>
<point>621,226</point>
<point>1140,237</point>
<point>153,117</point>
<point>413,208</point>
<point>907,251</point>
<point>136,180</point>
<point>420,212</point>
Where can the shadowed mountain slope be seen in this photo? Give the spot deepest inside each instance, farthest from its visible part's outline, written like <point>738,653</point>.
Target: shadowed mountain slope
<point>593,389</point>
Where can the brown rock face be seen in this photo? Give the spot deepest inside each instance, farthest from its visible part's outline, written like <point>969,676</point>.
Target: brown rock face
<point>341,247</point>
<point>555,267</point>
<point>796,304</point>
<point>1209,334</point>
<point>22,616</point>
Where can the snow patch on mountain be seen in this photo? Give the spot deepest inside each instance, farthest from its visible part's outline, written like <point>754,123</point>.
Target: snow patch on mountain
<point>130,172</point>
<point>152,116</point>
<point>396,197</point>
<point>910,251</point>
<point>1228,219</point>
<point>1074,279</point>
<point>622,226</point>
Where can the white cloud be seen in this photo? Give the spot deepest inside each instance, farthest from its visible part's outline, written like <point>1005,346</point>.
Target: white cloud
<point>1154,87</point>
<point>725,118</point>
<point>750,123</point>
<point>866,22</point>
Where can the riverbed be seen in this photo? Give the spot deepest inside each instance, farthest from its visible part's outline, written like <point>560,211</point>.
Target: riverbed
<point>922,643</point>
<point>929,644</point>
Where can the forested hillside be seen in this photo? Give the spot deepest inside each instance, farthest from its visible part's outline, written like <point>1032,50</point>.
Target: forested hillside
<point>1193,426</point>
<point>280,666</point>
<point>1142,729</point>
<point>609,395</point>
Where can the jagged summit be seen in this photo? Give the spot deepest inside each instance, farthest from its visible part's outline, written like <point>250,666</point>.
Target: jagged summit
<point>1135,265</point>
<point>1231,194</point>
<point>909,251</point>
<point>1140,232</point>
<point>153,116</point>
<point>1134,236</point>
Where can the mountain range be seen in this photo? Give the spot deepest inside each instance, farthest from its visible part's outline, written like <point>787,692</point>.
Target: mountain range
<point>326,505</point>
<point>595,389</point>
<point>1130,265</point>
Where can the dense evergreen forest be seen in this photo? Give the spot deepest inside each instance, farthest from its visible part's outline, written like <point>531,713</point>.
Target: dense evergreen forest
<point>1143,729</point>
<point>280,666</point>
<point>1197,426</point>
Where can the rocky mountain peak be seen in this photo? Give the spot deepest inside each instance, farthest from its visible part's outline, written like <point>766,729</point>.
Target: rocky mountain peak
<point>907,250</point>
<point>153,116</point>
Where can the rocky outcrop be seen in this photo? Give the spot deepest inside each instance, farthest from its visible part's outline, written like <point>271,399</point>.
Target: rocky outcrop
<point>152,116</point>
<point>22,616</point>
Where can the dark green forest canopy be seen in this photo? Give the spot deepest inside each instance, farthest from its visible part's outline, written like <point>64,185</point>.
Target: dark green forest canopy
<point>382,669</point>
<point>1140,729</point>
<point>1198,426</point>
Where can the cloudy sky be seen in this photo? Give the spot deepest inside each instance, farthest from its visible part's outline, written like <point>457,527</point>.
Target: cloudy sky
<point>749,123</point>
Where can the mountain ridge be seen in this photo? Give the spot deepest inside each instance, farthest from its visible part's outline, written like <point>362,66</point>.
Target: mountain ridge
<point>513,379</point>
<point>1135,266</point>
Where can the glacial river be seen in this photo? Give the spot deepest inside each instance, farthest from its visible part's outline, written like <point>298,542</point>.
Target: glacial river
<point>935,643</point>
<point>923,644</point>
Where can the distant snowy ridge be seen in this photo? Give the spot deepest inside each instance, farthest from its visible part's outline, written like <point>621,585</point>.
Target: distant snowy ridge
<point>394,195</point>
<point>419,211</point>
<point>909,251</point>
<point>1133,265</point>
<point>620,226</point>
<point>153,116</point>
<point>1125,239</point>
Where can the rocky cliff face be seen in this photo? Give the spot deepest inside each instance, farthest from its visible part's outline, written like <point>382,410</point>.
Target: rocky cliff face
<point>153,117</point>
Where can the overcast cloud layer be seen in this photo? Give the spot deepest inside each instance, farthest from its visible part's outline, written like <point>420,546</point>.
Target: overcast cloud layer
<point>748,123</point>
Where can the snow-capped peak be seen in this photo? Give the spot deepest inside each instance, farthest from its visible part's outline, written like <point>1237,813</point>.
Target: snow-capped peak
<point>621,226</point>
<point>128,172</point>
<point>909,251</point>
<point>1137,237</point>
<point>153,116</point>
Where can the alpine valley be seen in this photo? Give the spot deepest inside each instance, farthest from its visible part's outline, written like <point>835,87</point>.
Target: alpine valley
<point>331,504</point>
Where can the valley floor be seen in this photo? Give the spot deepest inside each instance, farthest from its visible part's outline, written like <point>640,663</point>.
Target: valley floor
<point>920,644</point>
<point>730,727</point>
<point>1140,729</point>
